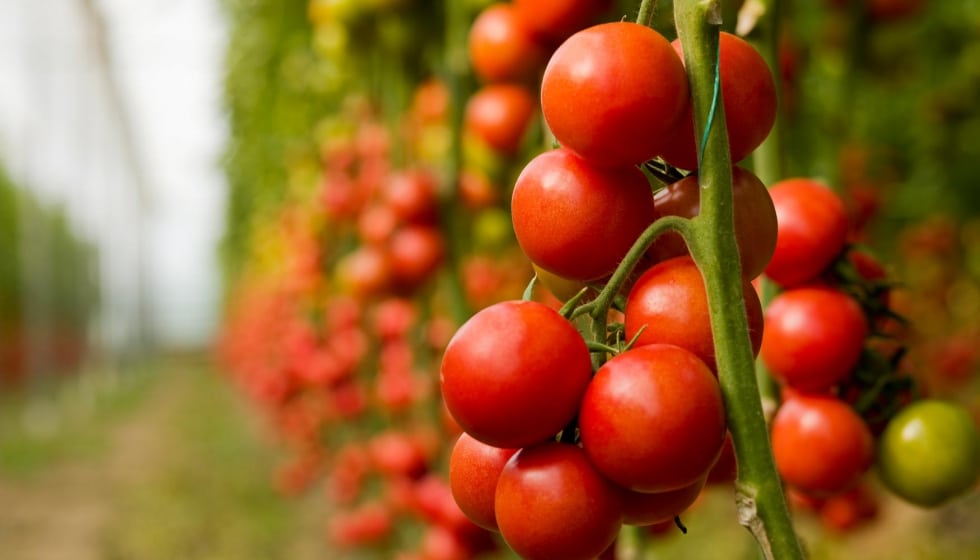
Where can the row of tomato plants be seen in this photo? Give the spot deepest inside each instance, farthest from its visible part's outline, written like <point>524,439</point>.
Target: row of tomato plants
<point>604,399</point>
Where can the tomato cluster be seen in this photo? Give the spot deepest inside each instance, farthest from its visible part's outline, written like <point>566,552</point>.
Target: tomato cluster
<point>650,424</point>
<point>830,342</point>
<point>586,439</point>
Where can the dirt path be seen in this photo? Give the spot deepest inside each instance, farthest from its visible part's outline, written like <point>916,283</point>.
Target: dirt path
<point>157,489</point>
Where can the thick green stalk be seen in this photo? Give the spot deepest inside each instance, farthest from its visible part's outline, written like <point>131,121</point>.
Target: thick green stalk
<point>758,490</point>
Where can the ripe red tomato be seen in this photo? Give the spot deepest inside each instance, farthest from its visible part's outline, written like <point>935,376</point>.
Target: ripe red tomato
<point>577,220</point>
<point>754,213</point>
<point>812,230</point>
<point>364,272</point>
<point>821,446</point>
<point>474,468</point>
<point>502,49</point>
<point>749,95</point>
<point>642,508</point>
<point>411,195</point>
<point>415,253</point>
<point>499,115</point>
<point>611,92</point>
<point>669,303</point>
<point>514,373</point>
<point>653,420</point>
<point>846,511</point>
<point>552,503</point>
<point>813,337</point>
<point>556,20</point>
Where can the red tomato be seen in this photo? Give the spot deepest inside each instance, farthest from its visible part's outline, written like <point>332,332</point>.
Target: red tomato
<point>642,508</point>
<point>502,49</point>
<point>813,337</point>
<point>551,503</point>
<point>671,306</point>
<point>653,420</point>
<point>514,373</point>
<point>820,445</point>
<point>415,253</point>
<point>754,213</point>
<point>499,115</point>
<point>846,511</point>
<point>748,92</point>
<point>376,223</point>
<point>611,92</point>
<point>725,469</point>
<point>576,220</point>
<point>556,20</point>
<point>411,195</point>
<point>474,468</point>
<point>812,230</point>
<point>364,272</point>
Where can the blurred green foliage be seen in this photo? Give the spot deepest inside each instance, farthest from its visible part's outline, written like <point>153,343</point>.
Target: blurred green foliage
<point>68,293</point>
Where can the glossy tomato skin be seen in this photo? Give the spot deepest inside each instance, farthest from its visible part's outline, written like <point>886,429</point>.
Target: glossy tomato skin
<point>552,503</point>
<point>754,214</point>
<point>577,220</point>
<point>930,453</point>
<point>474,468</point>
<point>813,338</point>
<point>812,230</point>
<point>820,445</point>
<point>499,115</point>
<point>556,20</point>
<point>502,49</point>
<point>652,420</point>
<point>749,95</point>
<point>611,91</point>
<point>644,508</point>
<point>669,303</point>
<point>514,374</point>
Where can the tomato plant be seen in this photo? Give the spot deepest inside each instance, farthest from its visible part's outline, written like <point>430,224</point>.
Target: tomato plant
<point>652,419</point>
<point>561,209</point>
<point>528,397</point>
<point>610,93</point>
<point>930,453</point>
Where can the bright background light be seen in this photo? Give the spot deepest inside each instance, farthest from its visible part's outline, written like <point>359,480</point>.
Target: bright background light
<point>112,108</point>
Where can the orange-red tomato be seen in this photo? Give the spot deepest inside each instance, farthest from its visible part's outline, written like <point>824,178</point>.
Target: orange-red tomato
<point>502,49</point>
<point>611,92</point>
<point>749,95</point>
<point>821,446</point>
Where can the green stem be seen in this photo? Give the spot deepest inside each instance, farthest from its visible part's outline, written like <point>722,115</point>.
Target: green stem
<point>600,306</point>
<point>454,70</point>
<point>647,9</point>
<point>758,492</point>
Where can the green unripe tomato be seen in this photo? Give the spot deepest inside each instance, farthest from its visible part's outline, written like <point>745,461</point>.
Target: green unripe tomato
<point>930,452</point>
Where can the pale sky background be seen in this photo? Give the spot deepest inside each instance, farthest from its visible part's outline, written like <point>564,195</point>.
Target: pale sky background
<point>61,136</point>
